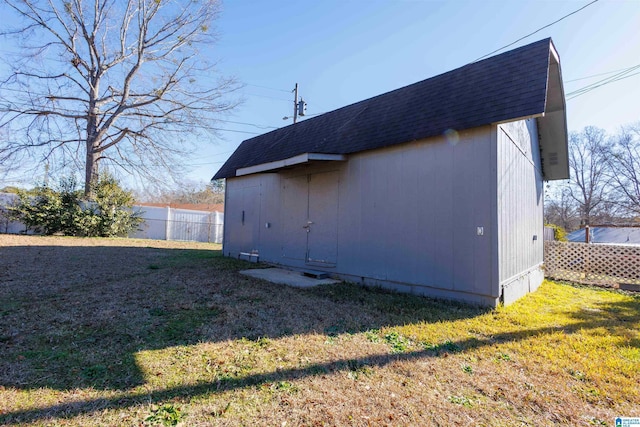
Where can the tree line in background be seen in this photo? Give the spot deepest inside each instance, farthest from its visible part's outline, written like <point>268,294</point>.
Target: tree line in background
<point>186,192</point>
<point>604,187</point>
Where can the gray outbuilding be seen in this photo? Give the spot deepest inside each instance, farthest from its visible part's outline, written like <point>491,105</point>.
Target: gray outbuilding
<point>435,188</point>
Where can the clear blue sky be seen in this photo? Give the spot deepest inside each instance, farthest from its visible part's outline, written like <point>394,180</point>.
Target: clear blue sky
<point>344,51</point>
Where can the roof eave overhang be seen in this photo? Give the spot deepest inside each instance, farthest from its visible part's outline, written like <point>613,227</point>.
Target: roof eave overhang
<point>552,125</point>
<point>291,161</point>
<point>513,119</point>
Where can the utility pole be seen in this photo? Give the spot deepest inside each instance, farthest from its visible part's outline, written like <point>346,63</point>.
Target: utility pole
<point>299,106</point>
<point>295,104</point>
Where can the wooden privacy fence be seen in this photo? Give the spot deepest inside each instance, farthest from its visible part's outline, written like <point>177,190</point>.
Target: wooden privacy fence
<point>597,264</point>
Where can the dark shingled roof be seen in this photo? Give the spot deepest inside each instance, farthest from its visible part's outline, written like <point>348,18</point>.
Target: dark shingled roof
<point>504,87</point>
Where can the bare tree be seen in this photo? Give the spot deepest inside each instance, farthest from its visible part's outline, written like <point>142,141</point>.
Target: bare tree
<point>116,83</point>
<point>190,192</point>
<point>589,172</point>
<point>624,161</point>
<point>561,209</point>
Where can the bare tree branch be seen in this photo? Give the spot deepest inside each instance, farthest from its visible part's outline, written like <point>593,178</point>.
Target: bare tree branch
<point>117,83</point>
<point>624,162</point>
<point>589,172</point>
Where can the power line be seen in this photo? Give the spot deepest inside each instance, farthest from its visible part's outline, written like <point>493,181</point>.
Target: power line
<point>617,77</point>
<point>206,164</point>
<point>248,124</point>
<point>236,131</point>
<point>268,97</point>
<point>70,111</point>
<point>212,163</point>
<point>599,74</point>
<point>536,31</point>
<point>267,87</point>
<point>43,95</point>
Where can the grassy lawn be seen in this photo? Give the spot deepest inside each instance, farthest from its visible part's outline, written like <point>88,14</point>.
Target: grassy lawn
<point>117,332</point>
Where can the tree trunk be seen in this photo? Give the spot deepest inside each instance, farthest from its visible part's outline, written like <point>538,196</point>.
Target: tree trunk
<point>93,143</point>
<point>91,169</point>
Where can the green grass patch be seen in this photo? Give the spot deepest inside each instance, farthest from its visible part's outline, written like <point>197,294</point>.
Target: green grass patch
<point>461,400</point>
<point>165,415</point>
<point>397,342</point>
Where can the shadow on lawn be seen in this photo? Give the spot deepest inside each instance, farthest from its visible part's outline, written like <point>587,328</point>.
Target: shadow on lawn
<point>74,317</point>
<point>75,327</point>
<point>628,311</point>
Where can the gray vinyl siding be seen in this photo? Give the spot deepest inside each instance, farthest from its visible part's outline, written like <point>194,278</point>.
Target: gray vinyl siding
<point>412,212</point>
<point>253,195</point>
<point>407,216</point>
<point>520,199</point>
<point>242,202</point>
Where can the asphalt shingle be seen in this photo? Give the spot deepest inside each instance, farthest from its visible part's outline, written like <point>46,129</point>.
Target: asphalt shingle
<point>504,87</point>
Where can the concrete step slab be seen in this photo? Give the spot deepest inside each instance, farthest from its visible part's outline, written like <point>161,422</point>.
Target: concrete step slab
<point>287,277</point>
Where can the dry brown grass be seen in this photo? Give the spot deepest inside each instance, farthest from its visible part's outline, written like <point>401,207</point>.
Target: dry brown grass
<point>124,332</point>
